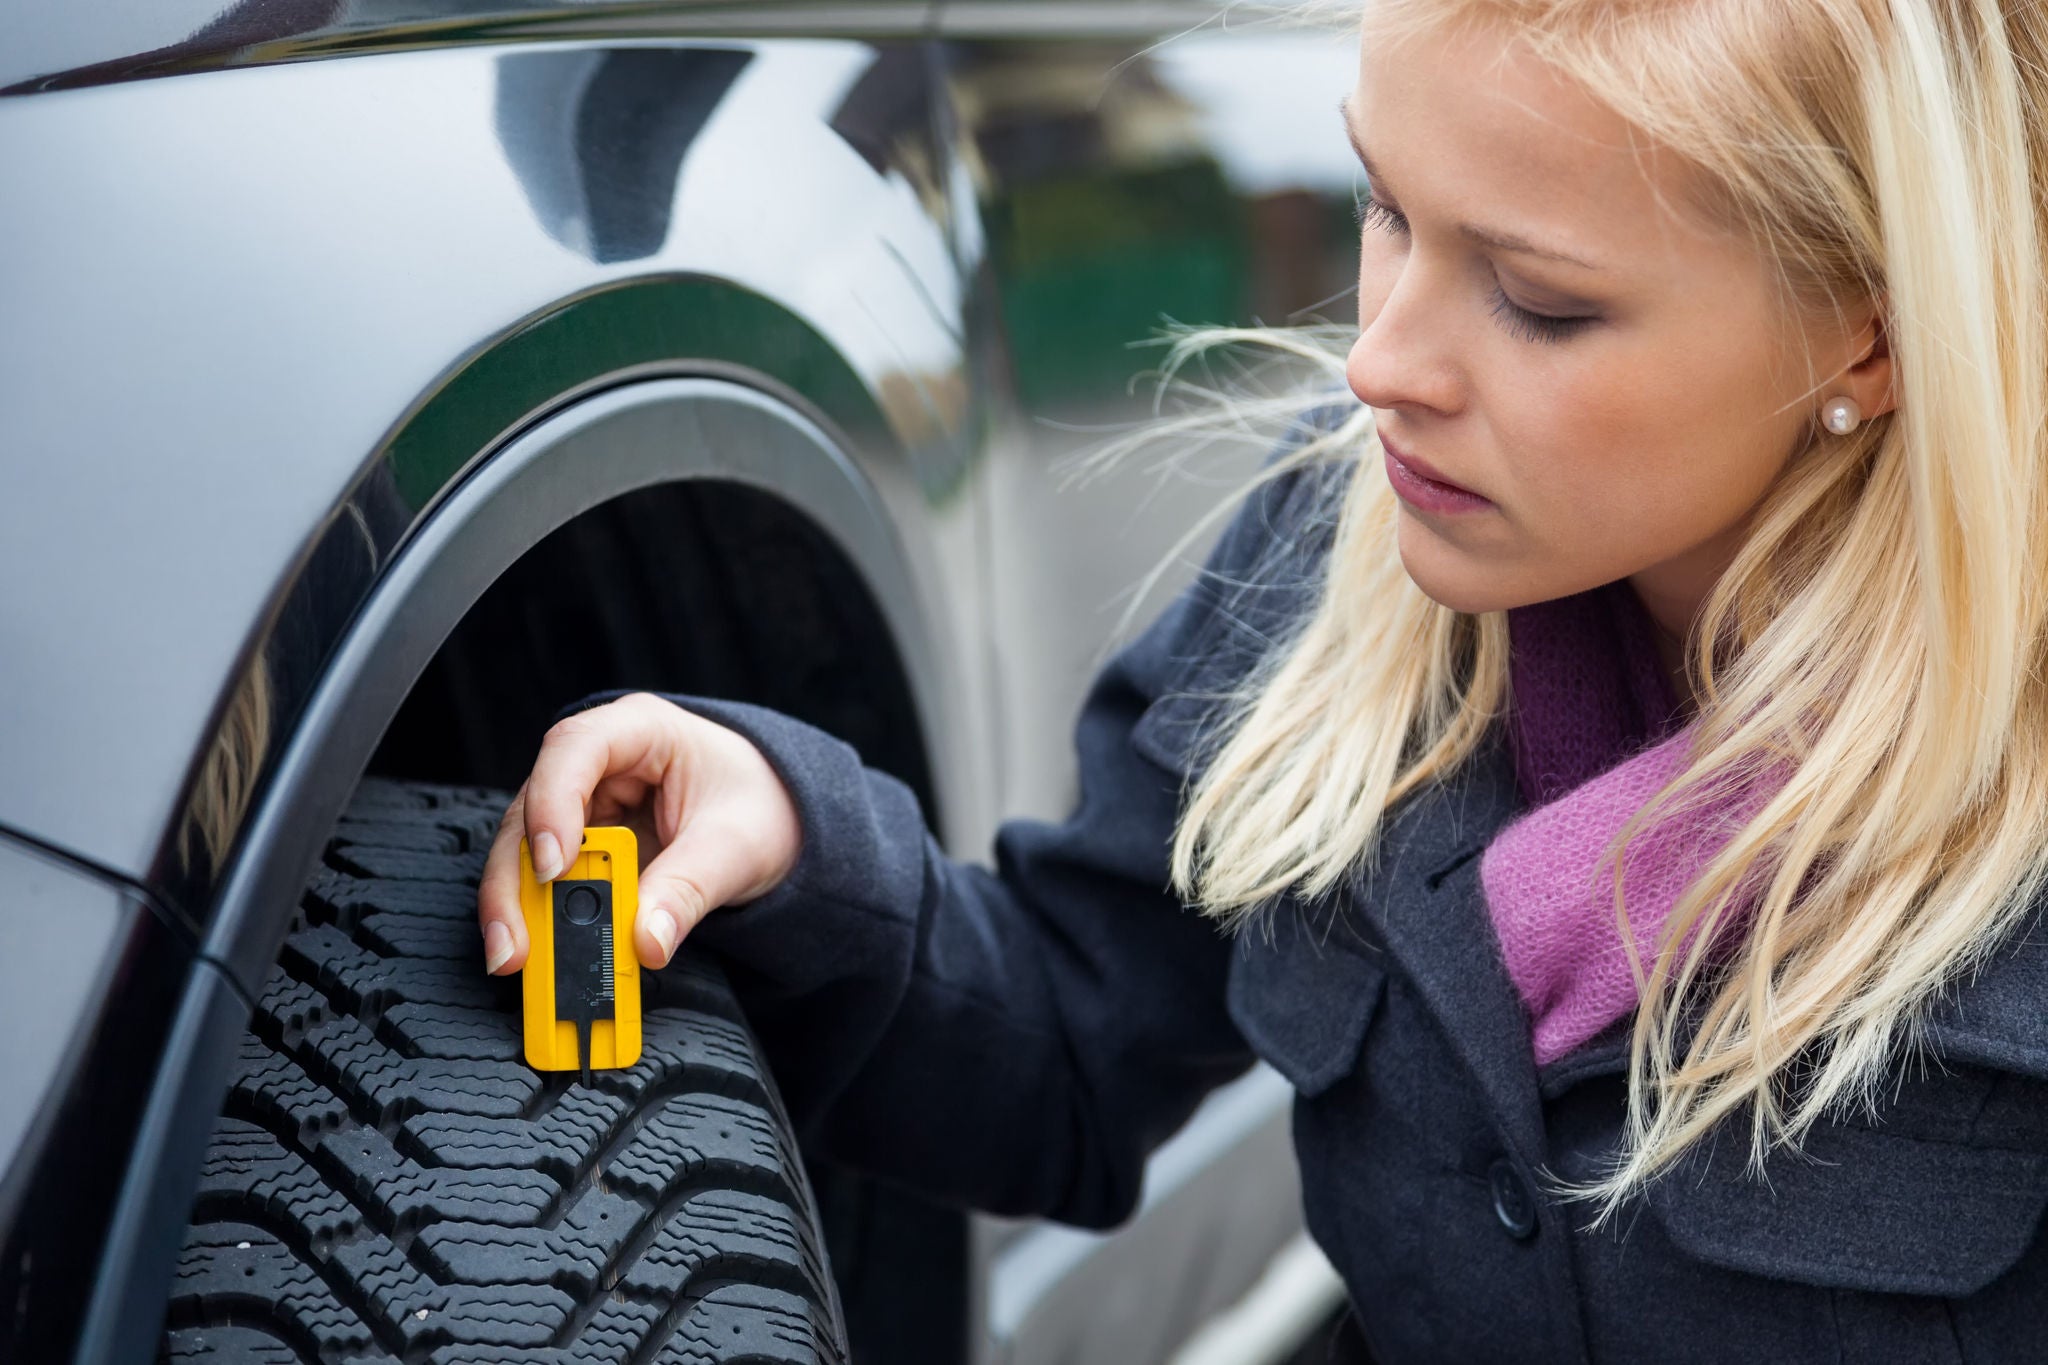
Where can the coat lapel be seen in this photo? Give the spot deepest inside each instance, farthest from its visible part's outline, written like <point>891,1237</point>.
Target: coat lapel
<point>1424,898</point>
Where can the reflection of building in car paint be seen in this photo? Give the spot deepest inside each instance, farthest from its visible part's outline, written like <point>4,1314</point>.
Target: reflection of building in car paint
<point>1270,119</point>
<point>1104,212</point>
<point>598,138</point>
<point>1116,203</point>
<point>886,116</point>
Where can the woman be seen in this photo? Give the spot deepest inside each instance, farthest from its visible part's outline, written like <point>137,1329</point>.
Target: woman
<point>1694,507</point>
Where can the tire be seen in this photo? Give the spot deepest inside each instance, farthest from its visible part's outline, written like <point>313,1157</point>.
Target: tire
<point>389,1180</point>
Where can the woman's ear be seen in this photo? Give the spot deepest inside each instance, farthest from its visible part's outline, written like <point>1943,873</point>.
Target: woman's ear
<point>1868,377</point>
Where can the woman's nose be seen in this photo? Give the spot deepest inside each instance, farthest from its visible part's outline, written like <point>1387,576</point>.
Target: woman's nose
<point>1403,354</point>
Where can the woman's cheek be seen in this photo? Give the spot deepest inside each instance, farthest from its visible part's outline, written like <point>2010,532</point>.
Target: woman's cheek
<point>1566,525</point>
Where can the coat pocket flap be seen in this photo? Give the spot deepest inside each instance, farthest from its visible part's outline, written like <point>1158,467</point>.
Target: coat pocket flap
<point>1862,1209</point>
<point>1303,1003</point>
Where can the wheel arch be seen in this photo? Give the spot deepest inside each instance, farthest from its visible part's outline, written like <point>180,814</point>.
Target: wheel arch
<point>614,443</point>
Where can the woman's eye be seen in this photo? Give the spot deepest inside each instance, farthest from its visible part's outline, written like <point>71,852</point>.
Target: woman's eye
<point>1528,326</point>
<point>1373,214</point>
<point>1519,322</point>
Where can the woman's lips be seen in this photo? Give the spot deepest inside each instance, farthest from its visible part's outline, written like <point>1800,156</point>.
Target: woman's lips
<point>1416,484</point>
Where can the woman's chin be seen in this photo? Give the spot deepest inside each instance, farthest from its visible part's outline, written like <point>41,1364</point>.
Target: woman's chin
<point>1464,581</point>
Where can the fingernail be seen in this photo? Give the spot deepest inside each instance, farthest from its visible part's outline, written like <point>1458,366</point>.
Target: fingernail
<point>662,925</point>
<point>497,948</point>
<point>547,857</point>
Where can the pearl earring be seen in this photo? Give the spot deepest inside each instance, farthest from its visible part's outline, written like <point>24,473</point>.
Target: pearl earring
<point>1841,415</point>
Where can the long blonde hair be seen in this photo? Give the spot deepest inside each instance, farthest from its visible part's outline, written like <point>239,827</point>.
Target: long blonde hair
<point>1877,640</point>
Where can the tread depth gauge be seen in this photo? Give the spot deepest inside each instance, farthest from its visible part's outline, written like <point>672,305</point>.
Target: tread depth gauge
<point>581,984</point>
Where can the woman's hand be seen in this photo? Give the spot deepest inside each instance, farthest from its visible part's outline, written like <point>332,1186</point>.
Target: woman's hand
<point>714,822</point>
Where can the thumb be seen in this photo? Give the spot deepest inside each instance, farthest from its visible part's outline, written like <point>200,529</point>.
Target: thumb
<point>697,873</point>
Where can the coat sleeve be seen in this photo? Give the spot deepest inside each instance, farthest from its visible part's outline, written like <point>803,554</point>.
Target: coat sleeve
<point>1016,1038</point>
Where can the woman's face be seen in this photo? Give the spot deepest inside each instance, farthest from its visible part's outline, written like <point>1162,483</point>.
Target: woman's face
<point>1618,414</point>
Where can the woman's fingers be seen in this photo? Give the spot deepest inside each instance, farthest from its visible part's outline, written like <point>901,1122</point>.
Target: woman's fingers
<point>714,822</point>
<point>633,735</point>
<point>578,754</point>
<point>710,864</point>
<point>497,896</point>
<point>739,837</point>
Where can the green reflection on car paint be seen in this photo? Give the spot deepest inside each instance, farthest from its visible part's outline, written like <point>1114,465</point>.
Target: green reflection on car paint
<point>670,321</point>
<point>1089,265</point>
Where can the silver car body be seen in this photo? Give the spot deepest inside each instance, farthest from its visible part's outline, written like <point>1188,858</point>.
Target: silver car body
<point>370,281</point>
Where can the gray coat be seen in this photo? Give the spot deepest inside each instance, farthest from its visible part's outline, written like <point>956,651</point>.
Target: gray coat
<point>1018,1039</point>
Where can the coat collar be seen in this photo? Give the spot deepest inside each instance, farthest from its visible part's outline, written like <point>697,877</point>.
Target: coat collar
<point>1422,896</point>
<point>1997,1016</point>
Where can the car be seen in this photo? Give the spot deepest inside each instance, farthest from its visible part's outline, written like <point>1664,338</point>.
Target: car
<point>382,376</point>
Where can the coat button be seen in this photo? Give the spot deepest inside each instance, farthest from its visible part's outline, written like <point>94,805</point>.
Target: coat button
<point>1511,1201</point>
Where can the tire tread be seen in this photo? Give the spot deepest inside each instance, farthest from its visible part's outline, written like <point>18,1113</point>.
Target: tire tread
<point>389,1181</point>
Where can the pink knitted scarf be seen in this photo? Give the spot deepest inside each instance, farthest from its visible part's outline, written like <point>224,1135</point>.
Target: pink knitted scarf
<point>1596,732</point>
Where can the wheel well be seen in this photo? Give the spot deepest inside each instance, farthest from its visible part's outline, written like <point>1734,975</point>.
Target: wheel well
<point>696,586</point>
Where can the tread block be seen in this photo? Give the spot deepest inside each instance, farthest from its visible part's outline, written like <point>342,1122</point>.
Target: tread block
<point>562,1141</point>
<point>411,1196</point>
<point>250,1171</point>
<point>572,1254</point>
<point>692,1138</point>
<point>743,1322</point>
<point>716,1229</point>
<point>345,899</point>
<point>394,1287</point>
<point>455,1032</point>
<point>455,1353</point>
<point>621,1327</point>
<point>274,1090</point>
<point>288,1008</point>
<point>352,1061</point>
<point>245,1345</point>
<point>679,1043</point>
<point>408,834</point>
<point>410,864</point>
<point>394,933</point>
<point>357,979</point>
<point>477,824</point>
<point>490,1315</point>
<point>240,1273</point>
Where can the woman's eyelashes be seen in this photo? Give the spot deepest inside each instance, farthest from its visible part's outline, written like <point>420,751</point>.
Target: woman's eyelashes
<point>1518,321</point>
<point>1373,214</point>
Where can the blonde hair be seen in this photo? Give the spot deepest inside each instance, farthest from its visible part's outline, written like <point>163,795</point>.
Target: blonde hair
<point>1877,641</point>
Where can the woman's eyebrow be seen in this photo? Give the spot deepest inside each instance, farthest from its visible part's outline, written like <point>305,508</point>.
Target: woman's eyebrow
<point>1499,241</point>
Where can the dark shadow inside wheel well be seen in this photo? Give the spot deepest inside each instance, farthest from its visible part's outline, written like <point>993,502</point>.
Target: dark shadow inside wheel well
<point>702,587</point>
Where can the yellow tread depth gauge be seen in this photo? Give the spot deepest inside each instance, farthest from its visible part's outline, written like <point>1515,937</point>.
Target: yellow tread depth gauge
<point>581,985</point>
